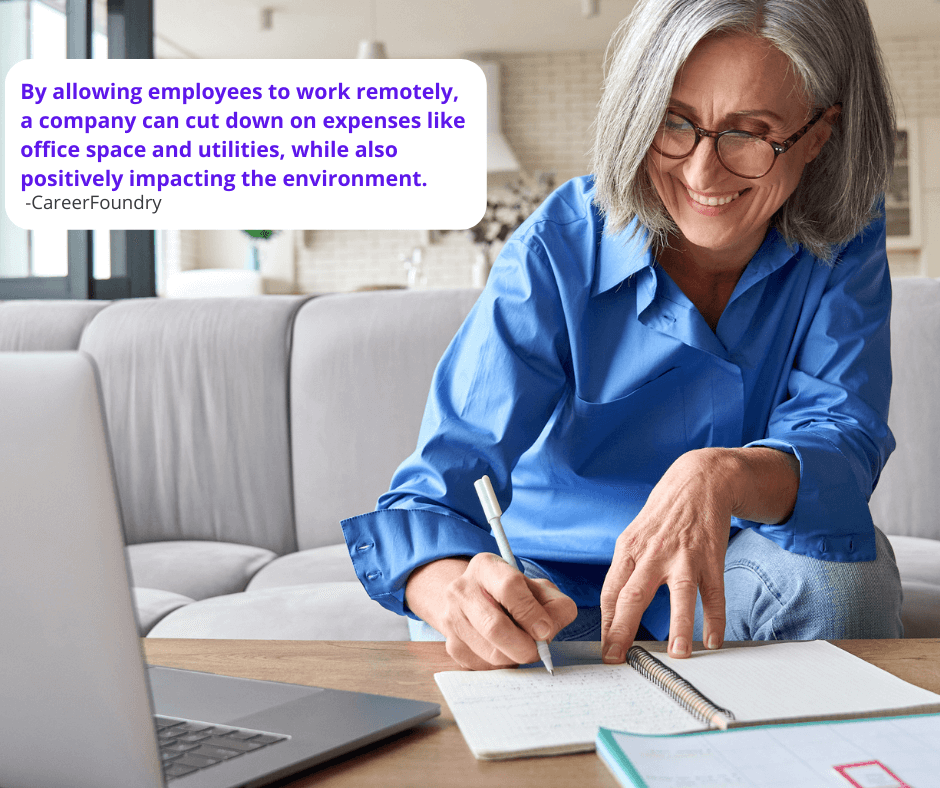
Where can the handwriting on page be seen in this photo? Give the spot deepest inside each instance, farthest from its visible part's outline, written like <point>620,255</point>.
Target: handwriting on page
<point>527,709</point>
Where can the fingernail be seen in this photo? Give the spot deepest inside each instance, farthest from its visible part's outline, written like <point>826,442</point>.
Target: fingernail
<point>713,641</point>
<point>680,646</point>
<point>542,630</point>
<point>612,654</point>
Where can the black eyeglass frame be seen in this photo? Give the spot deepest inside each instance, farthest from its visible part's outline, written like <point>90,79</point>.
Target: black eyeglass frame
<point>778,147</point>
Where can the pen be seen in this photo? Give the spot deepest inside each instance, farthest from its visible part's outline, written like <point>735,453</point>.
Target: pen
<point>492,512</point>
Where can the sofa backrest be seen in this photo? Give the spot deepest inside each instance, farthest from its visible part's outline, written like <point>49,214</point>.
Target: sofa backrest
<point>907,498</point>
<point>360,374</point>
<point>207,402</point>
<point>196,396</point>
<point>31,325</point>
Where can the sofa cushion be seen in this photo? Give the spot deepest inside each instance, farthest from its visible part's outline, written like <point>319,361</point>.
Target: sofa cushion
<point>319,611</point>
<point>920,612</point>
<point>919,564</point>
<point>195,569</point>
<point>45,325</point>
<point>918,559</point>
<point>907,498</point>
<point>317,565</point>
<point>152,604</point>
<point>196,396</point>
<point>360,375</point>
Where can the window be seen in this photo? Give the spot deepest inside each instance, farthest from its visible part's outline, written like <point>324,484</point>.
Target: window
<point>902,200</point>
<point>38,32</point>
<point>57,264</point>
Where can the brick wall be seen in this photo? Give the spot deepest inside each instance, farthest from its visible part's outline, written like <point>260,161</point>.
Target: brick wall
<point>914,64</point>
<point>330,260</point>
<point>548,106</point>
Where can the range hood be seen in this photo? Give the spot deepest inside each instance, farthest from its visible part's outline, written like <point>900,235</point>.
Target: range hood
<point>499,156</point>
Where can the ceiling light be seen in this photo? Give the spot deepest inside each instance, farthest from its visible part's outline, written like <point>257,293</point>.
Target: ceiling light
<point>371,48</point>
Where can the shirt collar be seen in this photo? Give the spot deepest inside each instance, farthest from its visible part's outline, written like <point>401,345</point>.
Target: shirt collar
<point>772,255</point>
<point>623,255</point>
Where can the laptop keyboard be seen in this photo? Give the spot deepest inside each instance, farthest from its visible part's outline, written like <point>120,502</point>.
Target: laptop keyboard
<point>187,746</point>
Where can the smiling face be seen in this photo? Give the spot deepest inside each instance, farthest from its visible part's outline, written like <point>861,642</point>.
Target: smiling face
<point>741,82</point>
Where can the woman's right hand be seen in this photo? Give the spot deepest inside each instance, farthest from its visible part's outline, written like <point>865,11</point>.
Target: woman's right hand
<point>490,613</point>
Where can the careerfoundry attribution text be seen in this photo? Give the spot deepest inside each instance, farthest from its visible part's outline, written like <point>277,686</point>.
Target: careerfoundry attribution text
<point>95,203</point>
<point>324,143</point>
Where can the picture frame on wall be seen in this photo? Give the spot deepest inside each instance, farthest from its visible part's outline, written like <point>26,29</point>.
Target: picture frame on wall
<point>902,199</point>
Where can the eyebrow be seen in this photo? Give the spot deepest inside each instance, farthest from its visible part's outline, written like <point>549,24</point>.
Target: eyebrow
<point>743,113</point>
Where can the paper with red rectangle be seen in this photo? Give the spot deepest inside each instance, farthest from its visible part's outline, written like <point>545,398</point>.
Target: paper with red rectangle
<point>870,774</point>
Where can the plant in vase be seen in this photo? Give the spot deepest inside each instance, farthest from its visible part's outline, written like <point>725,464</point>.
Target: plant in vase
<point>253,257</point>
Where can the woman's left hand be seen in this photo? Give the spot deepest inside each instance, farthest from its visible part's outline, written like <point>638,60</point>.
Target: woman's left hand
<point>679,538</point>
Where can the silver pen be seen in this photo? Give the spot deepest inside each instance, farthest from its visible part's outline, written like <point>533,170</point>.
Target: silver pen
<point>492,512</point>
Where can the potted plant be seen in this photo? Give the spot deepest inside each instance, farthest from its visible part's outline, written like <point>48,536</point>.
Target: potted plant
<point>253,258</point>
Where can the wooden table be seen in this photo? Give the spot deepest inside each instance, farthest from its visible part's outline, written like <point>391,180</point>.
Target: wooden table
<point>434,753</point>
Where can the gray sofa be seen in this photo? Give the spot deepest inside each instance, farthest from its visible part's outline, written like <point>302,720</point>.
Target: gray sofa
<point>244,430</point>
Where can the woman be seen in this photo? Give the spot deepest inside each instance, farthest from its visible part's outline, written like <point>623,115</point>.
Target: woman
<point>677,377</point>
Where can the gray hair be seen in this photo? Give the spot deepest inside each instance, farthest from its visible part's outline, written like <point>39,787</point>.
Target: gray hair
<point>832,47</point>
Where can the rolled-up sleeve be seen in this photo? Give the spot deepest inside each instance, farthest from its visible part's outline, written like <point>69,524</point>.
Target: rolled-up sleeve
<point>492,394</point>
<point>835,417</point>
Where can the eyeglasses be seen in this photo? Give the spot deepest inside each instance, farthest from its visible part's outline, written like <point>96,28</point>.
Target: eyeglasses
<point>740,152</point>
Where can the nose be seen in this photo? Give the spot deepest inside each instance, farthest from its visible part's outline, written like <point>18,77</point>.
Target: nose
<point>702,168</point>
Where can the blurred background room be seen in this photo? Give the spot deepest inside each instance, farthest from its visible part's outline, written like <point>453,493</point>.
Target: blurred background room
<point>543,60</point>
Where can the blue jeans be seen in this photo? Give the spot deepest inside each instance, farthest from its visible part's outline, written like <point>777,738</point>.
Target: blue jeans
<point>773,594</point>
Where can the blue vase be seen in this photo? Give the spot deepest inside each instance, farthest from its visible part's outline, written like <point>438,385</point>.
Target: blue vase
<point>253,258</point>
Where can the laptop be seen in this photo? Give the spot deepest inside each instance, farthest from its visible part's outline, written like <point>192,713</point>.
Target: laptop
<point>78,702</point>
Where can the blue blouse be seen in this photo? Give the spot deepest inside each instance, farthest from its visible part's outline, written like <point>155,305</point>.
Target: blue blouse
<point>583,372</point>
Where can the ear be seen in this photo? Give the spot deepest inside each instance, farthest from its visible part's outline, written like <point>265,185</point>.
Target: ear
<point>821,133</point>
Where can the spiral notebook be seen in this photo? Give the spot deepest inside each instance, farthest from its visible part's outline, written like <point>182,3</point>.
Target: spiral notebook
<point>525,712</point>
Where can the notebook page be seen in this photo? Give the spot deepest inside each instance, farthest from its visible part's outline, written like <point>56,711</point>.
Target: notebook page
<point>795,680</point>
<point>509,713</point>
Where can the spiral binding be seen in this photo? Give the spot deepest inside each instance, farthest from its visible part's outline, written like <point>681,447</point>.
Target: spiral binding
<point>676,687</point>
